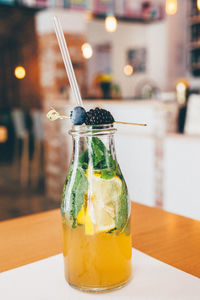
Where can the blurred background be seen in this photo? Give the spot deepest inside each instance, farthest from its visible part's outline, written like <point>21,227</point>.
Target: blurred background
<point>138,59</point>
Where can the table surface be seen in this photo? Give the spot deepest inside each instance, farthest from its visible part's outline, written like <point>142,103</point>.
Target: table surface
<point>167,237</point>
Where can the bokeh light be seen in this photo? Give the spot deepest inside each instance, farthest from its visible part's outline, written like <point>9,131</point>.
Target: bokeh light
<point>171,7</point>
<point>110,23</point>
<point>198,4</point>
<point>3,134</point>
<point>88,15</point>
<point>181,87</point>
<point>20,72</point>
<point>128,70</point>
<point>87,50</point>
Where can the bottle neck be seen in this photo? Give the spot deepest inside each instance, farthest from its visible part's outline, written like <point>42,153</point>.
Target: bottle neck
<point>98,152</point>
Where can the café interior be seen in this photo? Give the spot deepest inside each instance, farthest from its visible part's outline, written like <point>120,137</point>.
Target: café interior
<point>138,59</point>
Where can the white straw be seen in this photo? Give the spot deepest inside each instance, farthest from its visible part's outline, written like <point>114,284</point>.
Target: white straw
<point>67,61</point>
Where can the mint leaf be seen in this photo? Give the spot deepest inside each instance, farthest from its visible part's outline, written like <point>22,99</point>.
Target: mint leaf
<point>101,157</point>
<point>83,159</point>
<point>122,214</point>
<point>65,189</point>
<point>77,192</point>
<point>98,151</point>
<point>107,174</point>
<point>102,160</point>
<point>79,189</point>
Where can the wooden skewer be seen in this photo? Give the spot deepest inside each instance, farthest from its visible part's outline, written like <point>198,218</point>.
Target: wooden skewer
<point>64,117</point>
<point>54,115</point>
<point>59,115</point>
<point>127,123</point>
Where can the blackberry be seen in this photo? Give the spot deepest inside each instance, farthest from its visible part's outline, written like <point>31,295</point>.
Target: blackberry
<point>98,116</point>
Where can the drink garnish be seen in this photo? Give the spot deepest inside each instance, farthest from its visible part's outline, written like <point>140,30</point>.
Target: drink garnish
<point>98,116</point>
<point>95,116</point>
<point>108,189</point>
<point>78,115</point>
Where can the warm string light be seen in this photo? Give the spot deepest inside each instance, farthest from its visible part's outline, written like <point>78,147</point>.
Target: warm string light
<point>20,72</point>
<point>87,50</point>
<point>198,4</point>
<point>110,24</point>
<point>171,7</point>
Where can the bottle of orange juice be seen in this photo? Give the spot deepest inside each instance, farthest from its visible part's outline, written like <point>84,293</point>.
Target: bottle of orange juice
<point>95,213</point>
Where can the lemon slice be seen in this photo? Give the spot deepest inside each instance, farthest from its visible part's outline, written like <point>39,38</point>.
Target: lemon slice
<point>103,197</point>
<point>81,216</point>
<point>89,222</point>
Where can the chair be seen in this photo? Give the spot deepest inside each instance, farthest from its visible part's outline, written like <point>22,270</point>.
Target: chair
<point>21,161</point>
<point>36,162</point>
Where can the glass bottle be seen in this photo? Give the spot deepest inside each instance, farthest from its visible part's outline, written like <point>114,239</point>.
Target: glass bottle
<point>95,213</point>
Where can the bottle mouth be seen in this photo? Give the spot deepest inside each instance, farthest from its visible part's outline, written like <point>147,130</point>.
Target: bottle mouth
<point>92,130</point>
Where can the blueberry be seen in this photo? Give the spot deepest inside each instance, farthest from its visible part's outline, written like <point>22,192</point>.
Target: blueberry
<point>78,115</point>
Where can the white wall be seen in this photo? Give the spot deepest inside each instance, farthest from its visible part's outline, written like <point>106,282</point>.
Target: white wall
<point>157,54</point>
<point>71,21</point>
<point>130,36</point>
<point>182,175</point>
<point>165,42</point>
<point>177,47</point>
<point>167,49</point>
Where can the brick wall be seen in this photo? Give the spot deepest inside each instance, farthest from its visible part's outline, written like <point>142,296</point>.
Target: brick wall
<point>56,157</point>
<point>54,85</point>
<point>53,77</point>
<point>18,46</point>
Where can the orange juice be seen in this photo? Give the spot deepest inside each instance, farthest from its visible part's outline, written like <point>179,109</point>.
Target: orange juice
<point>98,261</point>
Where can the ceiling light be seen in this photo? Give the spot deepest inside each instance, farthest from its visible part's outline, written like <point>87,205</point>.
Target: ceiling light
<point>198,4</point>
<point>110,23</point>
<point>171,7</point>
